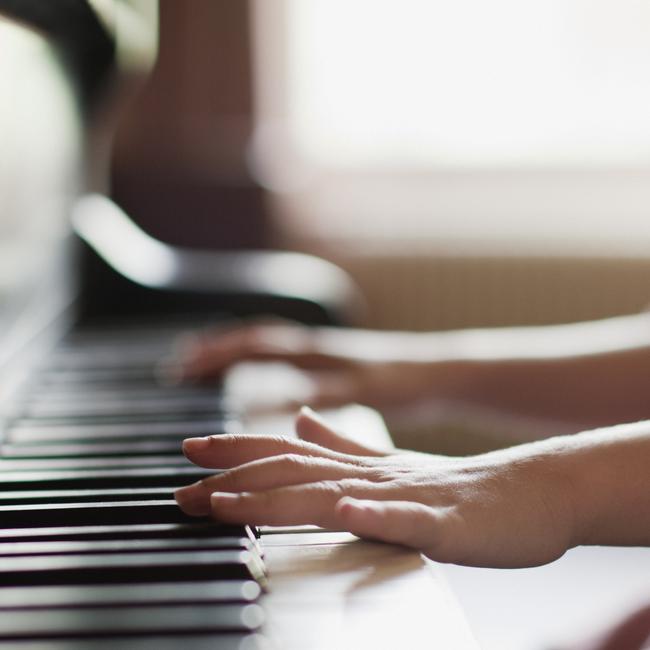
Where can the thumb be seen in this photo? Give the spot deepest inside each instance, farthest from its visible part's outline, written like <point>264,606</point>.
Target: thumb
<point>427,529</point>
<point>312,428</point>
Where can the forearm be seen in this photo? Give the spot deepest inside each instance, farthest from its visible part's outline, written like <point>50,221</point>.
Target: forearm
<point>605,475</point>
<point>589,374</point>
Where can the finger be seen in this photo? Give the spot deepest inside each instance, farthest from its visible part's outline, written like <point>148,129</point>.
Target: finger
<point>312,503</point>
<point>265,474</point>
<point>210,356</point>
<point>312,428</point>
<point>225,451</point>
<point>430,530</point>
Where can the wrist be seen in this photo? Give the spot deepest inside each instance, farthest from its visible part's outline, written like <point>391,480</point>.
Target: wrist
<point>551,478</point>
<point>592,472</point>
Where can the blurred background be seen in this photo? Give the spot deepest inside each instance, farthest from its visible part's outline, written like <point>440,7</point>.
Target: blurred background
<point>469,163</point>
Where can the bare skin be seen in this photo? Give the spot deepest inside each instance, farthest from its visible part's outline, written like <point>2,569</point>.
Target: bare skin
<point>585,375</point>
<point>519,507</point>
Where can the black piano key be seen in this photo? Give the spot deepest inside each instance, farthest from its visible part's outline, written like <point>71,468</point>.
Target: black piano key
<point>160,593</point>
<point>106,357</point>
<point>197,528</point>
<point>68,392</point>
<point>89,513</point>
<point>78,496</point>
<point>203,641</point>
<point>24,434</point>
<point>130,333</point>
<point>104,462</point>
<point>102,478</point>
<point>122,417</point>
<point>124,568</point>
<point>139,376</point>
<point>126,546</point>
<point>174,619</point>
<point>79,399</point>
<point>157,406</point>
<point>92,449</point>
<point>98,461</point>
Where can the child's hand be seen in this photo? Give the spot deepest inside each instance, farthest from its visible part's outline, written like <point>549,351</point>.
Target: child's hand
<point>504,509</point>
<point>380,369</point>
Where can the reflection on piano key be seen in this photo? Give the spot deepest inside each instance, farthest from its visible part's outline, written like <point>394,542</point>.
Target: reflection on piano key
<point>197,528</point>
<point>26,434</point>
<point>102,478</point>
<point>173,619</point>
<point>104,462</point>
<point>122,568</point>
<point>73,393</point>
<point>162,404</point>
<point>77,496</point>
<point>150,642</point>
<point>164,593</point>
<point>107,513</point>
<point>125,546</point>
<point>91,449</point>
<point>220,591</point>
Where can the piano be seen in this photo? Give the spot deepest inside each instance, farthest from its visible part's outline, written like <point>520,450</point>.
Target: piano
<point>94,552</point>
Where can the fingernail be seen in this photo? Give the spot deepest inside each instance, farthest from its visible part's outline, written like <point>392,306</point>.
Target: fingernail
<point>191,445</point>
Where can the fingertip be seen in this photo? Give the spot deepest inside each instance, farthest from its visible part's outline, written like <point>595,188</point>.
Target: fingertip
<point>198,445</point>
<point>312,427</point>
<point>308,414</point>
<point>310,424</point>
<point>308,411</point>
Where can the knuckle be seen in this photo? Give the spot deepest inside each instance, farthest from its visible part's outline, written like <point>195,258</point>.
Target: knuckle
<point>226,439</point>
<point>379,475</point>
<point>282,442</point>
<point>345,486</point>
<point>230,481</point>
<point>330,487</point>
<point>358,486</point>
<point>294,462</point>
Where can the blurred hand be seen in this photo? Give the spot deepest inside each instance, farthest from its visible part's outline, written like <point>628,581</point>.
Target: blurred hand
<point>498,509</point>
<point>344,365</point>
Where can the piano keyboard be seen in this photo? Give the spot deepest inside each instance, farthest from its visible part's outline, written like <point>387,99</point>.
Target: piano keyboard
<point>94,552</point>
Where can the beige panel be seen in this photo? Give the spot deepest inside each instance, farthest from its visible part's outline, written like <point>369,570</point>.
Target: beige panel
<point>437,292</point>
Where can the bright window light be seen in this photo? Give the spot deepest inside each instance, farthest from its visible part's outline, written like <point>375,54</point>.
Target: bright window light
<point>469,82</point>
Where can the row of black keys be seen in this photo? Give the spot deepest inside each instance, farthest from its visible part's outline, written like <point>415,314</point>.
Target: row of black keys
<point>94,551</point>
